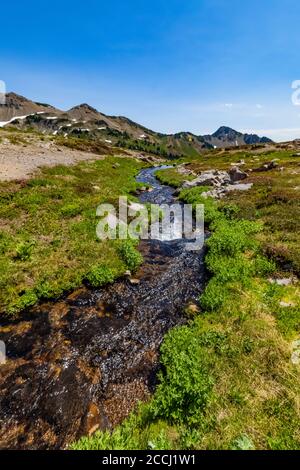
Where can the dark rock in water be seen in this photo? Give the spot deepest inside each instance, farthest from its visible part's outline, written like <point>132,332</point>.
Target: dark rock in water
<point>84,362</point>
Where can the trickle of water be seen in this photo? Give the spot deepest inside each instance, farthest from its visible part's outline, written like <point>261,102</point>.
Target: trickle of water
<point>84,362</point>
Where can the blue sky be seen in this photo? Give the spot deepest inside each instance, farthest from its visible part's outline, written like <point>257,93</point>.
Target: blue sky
<point>169,64</point>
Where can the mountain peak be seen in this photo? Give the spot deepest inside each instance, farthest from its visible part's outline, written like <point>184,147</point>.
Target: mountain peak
<point>227,137</point>
<point>118,130</point>
<point>17,105</point>
<point>84,111</point>
<point>225,131</point>
<point>84,106</point>
<point>12,94</point>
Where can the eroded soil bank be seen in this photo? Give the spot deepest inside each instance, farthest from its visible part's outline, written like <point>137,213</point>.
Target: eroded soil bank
<point>84,362</point>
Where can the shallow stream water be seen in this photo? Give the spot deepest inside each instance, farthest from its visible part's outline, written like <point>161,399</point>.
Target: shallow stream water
<point>84,362</point>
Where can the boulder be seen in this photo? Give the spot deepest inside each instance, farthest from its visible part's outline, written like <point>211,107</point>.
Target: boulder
<point>184,171</point>
<point>267,166</point>
<point>219,193</point>
<point>239,187</point>
<point>216,193</point>
<point>236,174</point>
<point>205,179</point>
<point>209,178</point>
<point>222,177</point>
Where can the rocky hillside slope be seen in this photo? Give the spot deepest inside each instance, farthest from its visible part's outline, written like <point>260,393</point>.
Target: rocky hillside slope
<point>86,122</point>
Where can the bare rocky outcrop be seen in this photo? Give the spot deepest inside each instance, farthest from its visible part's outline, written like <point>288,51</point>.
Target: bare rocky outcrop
<point>222,182</point>
<point>209,178</point>
<point>219,193</point>
<point>120,131</point>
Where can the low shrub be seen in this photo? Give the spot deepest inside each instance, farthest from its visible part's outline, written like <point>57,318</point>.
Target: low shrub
<point>264,266</point>
<point>232,237</point>
<point>71,210</point>
<point>230,269</point>
<point>24,250</point>
<point>182,397</point>
<point>128,252</point>
<point>194,196</point>
<point>26,300</point>
<point>230,210</point>
<point>100,275</point>
<point>214,295</point>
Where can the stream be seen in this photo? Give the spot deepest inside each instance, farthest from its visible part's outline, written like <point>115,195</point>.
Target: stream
<point>84,362</point>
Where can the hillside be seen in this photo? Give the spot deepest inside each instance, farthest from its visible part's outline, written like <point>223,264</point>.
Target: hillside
<point>17,105</point>
<point>227,137</point>
<point>86,122</point>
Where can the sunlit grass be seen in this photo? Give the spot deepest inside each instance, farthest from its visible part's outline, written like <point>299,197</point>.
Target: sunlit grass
<point>48,242</point>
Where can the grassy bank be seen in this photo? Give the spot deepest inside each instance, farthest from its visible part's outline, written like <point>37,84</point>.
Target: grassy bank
<point>48,242</point>
<point>171,177</point>
<point>227,379</point>
<point>274,199</point>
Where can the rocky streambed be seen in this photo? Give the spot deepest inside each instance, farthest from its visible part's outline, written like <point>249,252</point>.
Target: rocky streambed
<point>84,362</point>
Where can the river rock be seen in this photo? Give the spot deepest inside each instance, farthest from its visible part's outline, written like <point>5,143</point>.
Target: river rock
<point>192,309</point>
<point>134,281</point>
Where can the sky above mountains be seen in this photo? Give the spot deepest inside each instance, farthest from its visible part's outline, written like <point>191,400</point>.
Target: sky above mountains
<point>170,65</point>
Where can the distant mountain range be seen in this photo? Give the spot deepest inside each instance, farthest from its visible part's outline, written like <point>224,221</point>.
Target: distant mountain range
<point>86,122</point>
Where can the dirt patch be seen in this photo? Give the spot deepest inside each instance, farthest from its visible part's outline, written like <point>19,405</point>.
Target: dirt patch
<point>19,162</point>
